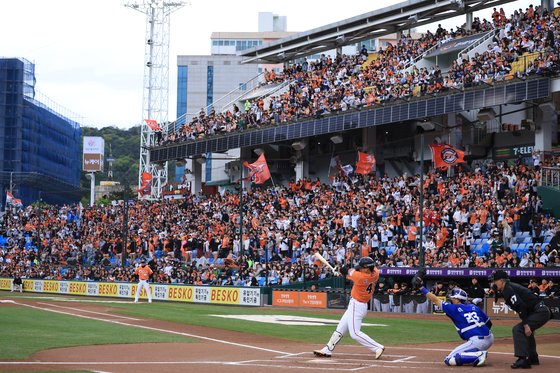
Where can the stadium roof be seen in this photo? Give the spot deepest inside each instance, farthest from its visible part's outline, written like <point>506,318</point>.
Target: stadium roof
<point>387,20</point>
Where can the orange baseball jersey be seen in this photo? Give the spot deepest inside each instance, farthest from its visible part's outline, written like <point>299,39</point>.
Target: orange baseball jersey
<point>143,272</point>
<point>363,284</point>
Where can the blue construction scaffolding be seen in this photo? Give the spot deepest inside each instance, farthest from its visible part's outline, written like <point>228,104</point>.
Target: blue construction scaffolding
<point>40,143</point>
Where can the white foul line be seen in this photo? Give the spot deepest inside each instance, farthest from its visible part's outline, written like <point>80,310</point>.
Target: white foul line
<point>490,351</point>
<point>81,310</point>
<point>159,330</point>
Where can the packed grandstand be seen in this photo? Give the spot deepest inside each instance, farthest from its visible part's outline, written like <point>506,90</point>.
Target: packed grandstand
<point>522,45</point>
<point>491,217</point>
<point>487,215</point>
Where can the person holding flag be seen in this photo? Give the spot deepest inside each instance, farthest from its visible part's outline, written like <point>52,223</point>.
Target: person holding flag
<point>258,170</point>
<point>365,163</point>
<point>13,201</point>
<point>444,156</point>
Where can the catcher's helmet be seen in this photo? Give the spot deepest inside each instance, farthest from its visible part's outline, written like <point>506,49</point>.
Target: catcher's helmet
<point>458,294</point>
<point>366,262</point>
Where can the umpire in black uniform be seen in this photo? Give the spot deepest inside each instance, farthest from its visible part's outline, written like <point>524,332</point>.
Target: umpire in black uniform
<point>532,311</point>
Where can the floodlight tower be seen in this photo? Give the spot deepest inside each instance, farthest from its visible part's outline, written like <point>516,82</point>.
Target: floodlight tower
<point>156,83</point>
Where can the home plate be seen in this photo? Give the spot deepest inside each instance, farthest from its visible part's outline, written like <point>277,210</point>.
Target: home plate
<point>288,320</point>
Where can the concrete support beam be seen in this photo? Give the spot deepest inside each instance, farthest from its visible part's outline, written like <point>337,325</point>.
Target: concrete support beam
<point>544,119</point>
<point>196,184</point>
<point>469,20</point>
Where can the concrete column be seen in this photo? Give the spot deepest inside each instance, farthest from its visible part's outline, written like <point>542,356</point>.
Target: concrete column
<point>196,184</point>
<point>454,137</point>
<point>547,4</point>
<point>245,155</point>
<point>545,117</point>
<point>302,165</point>
<point>369,139</point>
<point>469,19</point>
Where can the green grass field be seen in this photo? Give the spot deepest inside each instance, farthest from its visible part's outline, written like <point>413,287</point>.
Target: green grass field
<point>28,330</point>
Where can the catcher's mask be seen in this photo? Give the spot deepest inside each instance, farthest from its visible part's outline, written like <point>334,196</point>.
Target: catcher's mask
<point>458,294</point>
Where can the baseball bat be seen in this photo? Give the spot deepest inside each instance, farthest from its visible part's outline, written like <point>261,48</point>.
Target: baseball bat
<point>324,261</point>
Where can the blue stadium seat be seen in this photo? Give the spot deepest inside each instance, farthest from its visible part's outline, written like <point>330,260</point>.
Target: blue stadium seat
<point>528,239</point>
<point>526,234</point>
<point>514,246</point>
<point>390,249</point>
<point>484,235</point>
<point>485,247</point>
<point>519,234</point>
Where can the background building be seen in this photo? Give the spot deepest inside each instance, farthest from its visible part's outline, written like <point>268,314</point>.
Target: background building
<point>40,149</point>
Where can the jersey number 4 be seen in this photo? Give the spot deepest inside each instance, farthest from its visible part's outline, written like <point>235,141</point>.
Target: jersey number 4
<point>471,317</point>
<point>369,289</point>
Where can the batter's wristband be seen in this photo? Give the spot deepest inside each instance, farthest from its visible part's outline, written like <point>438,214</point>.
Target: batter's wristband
<point>424,291</point>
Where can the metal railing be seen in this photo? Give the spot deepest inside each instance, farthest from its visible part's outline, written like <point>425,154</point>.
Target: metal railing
<point>550,177</point>
<point>483,39</point>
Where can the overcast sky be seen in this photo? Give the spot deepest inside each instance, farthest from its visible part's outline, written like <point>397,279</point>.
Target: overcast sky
<point>89,55</point>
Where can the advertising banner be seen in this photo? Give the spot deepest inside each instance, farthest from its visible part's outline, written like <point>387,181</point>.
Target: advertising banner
<point>93,163</point>
<point>178,293</point>
<point>5,284</point>
<point>310,299</point>
<point>470,272</point>
<point>285,298</point>
<point>93,153</point>
<point>94,145</point>
<point>313,299</point>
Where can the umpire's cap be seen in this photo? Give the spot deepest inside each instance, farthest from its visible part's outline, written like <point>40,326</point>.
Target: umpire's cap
<point>500,274</point>
<point>365,262</point>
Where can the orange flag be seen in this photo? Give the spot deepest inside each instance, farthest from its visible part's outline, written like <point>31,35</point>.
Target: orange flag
<point>365,164</point>
<point>258,171</point>
<point>153,124</point>
<point>445,155</point>
<point>146,187</point>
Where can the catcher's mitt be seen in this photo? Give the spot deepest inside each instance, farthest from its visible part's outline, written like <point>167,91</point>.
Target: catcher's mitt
<point>418,279</point>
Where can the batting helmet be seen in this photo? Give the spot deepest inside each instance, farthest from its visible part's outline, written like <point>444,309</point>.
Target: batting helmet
<point>366,262</point>
<point>458,294</point>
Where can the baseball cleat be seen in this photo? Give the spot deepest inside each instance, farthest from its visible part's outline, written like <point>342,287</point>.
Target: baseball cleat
<point>321,353</point>
<point>379,352</point>
<point>481,359</point>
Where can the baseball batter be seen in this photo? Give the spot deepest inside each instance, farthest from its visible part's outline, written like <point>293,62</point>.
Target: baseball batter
<point>472,324</point>
<point>364,276</point>
<point>143,272</point>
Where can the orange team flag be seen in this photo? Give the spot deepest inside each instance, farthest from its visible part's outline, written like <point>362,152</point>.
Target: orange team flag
<point>11,200</point>
<point>153,124</point>
<point>258,171</point>
<point>445,155</point>
<point>365,164</point>
<point>146,187</point>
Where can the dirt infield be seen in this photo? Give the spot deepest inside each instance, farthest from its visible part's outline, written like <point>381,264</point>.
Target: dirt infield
<point>218,350</point>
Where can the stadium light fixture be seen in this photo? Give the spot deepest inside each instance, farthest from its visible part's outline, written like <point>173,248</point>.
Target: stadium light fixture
<point>337,139</point>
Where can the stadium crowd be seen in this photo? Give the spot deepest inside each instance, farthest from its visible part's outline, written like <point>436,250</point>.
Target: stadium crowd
<point>196,240</point>
<point>330,85</point>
